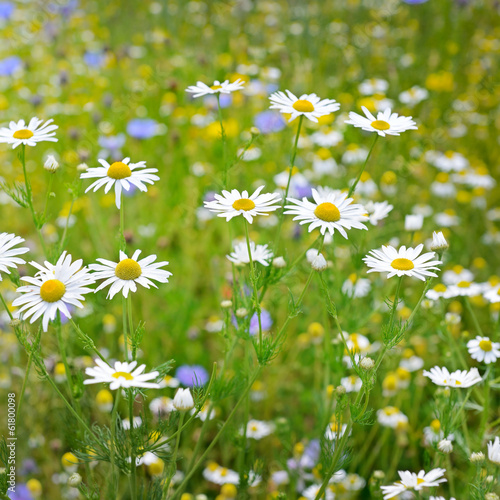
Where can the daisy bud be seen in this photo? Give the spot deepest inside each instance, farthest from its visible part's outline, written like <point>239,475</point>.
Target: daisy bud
<point>491,496</point>
<point>14,323</point>
<point>319,263</point>
<point>439,243</point>
<point>378,474</point>
<point>82,167</point>
<point>279,262</point>
<point>183,401</point>
<point>241,312</point>
<point>74,480</point>
<point>340,390</point>
<point>414,222</point>
<point>255,131</point>
<point>445,446</point>
<point>226,304</point>
<point>51,164</point>
<point>477,457</point>
<point>367,364</point>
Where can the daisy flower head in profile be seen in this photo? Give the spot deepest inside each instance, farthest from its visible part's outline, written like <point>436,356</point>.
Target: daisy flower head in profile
<point>124,375</point>
<point>8,254</point>
<point>329,211</point>
<point>202,89</point>
<point>494,451</point>
<point>232,204</point>
<point>460,378</point>
<point>259,253</point>
<point>28,135</point>
<point>308,105</point>
<point>411,481</point>
<point>386,123</point>
<point>482,349</point>
<point>129,272</point>
<point>402,262</point>
<point>121,175</point>
<point>52,289</point>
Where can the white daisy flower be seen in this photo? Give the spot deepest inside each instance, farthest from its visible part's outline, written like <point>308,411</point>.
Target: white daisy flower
<point>392,417</point>
<point>52,289</point>
<point>493,295</point>
<point>161,406</point>
<point>450,161</point>
<point>257,429</point>
<point>483,349</point>
<point>308,105</point>
<point>378,211</point>
<point>121,174</point>
<point>259,253</point>
<point>411,481</point>
<point>20,133</point>
<point>129,272</point>
<point>386,123</point>
<point>413,96</point>
<point>231,204</point>
<point>216,474</point>
<point>335,431</point>
<point>402,262</point>
<point>8,254</point>
<point>494,451</point>
<point>351,383</point>
<point>124,375</point>
<point>439,242</point>
<point>330,211</point>
<point>201,89</point>
<point>456,275</point>
<point>373,86</point>
<point>311,492</point>
<point>461,379</point>
<point>463,289</point>
<point>356,287</point>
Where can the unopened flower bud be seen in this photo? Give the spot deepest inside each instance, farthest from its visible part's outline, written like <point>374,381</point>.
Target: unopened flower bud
<point>51,164</point>
<point>340,390</point>
<point>14,323</point>
<point>319,263</point>
<point>378,474</point>
<point>367,364</point>
<point>241,312</point>
<point>255,131</point>
<point>82,167</point>
<point>491,496</point>
<point>445,446</point>
<point>226,304</point>
<point>414,222</point>
<point>183,401</point>
<point>477,457</point>
<point>279,262</point>
<point>74,480</point>
<point>439,243</point>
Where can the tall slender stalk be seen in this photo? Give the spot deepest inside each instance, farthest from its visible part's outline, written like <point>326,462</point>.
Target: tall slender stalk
<point>355,183</point>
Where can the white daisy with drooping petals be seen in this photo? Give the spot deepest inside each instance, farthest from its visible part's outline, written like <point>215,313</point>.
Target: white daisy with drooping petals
<point>8,254</point>
<point>493,294</point>
<point>231,204</point>
<point>52,289</point>
<point>331,211</point>
<point>411,481</point>
<point>259,253</point>
<point>402,262</point>
<point>30,134</point>
<point>124,375</point>
<point>494,451</point>
<point>308,105</point>
<point>482,349</point>
<point>461,379</point>
<point>202,89</point>
<point>386,123</point>
<point>121,174</point>
<point>129,272</point>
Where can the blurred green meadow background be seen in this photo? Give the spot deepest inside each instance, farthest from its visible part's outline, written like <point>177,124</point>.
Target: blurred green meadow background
<point>113,74</point>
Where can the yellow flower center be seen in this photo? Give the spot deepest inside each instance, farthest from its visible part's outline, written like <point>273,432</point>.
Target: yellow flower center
<point>23,134</point>
<point>463,284</point>
<point>457,382</point>
<point>128,269</point>
<point>420,480</point>
<point>244,204</point>
<point>52,290</point>
<point>449,154</point>
<point>485,345</point>
<point>216,87</point>
<point>440,288</point>
<point>303,106</point>
<point>125,375</point>
<point>253,428</point>
<point>328,212</point>
<point>402,264</point>
<point>223,472</point>
<point>435,425</point>
<point>118,170</point>
<point>380,125</point>
<point>390,410</point>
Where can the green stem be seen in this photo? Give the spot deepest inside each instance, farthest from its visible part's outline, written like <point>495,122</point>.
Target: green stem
<point>131,325</point>
<point>49,189</point>
<point>255,290</point>
<point>224,144</point>
<point>6,307</point>
<point>62,351</point>
<point>353,187</point>
<point>133,466</point>
<point>114,472</point>
<point>124,321</point>
<point>473,315</point>
<point>292,163</point>
<point>88,342</point>
<point>174,458</point>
